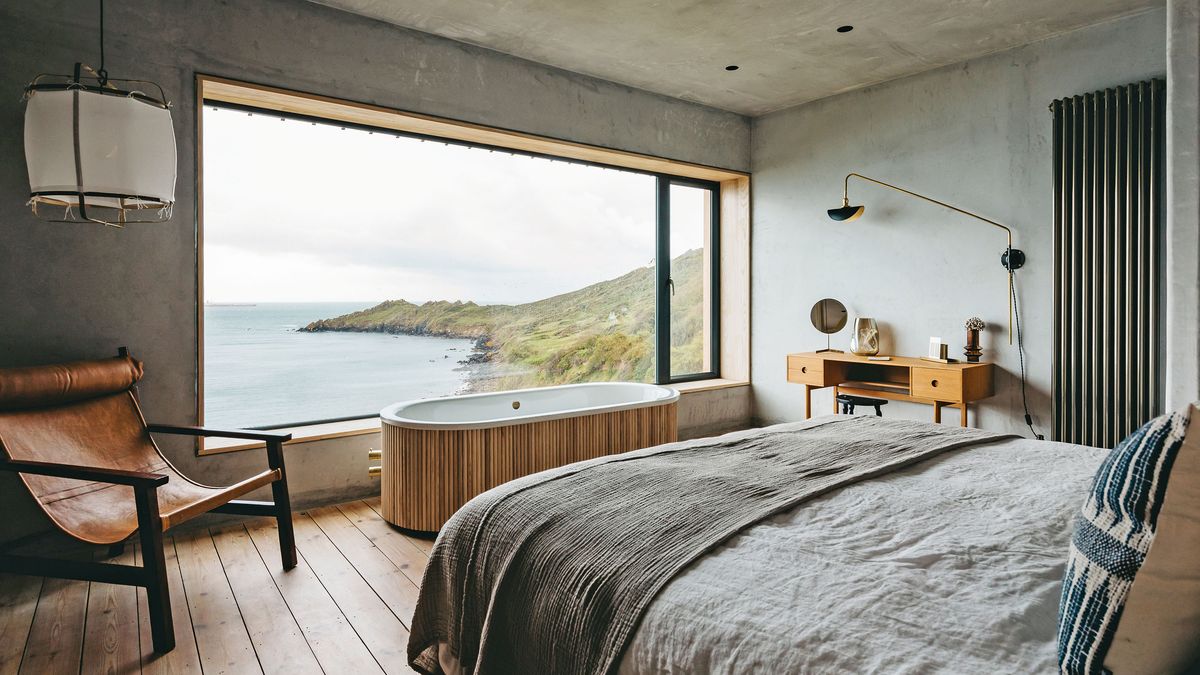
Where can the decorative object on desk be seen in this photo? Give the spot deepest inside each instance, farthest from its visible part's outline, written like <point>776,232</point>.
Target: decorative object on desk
<point>1011,258</point>
<point>936,350</point>
<point>973,350</point>
<point>97,149</point>
<point>829,317</point>
<point>864,341</point>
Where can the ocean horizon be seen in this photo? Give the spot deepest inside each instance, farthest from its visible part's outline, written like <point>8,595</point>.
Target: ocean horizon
<point>260,370</point>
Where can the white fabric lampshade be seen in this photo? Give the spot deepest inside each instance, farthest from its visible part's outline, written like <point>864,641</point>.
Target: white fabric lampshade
<point>126,150</point>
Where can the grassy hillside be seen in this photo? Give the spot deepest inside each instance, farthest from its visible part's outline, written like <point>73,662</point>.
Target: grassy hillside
<point>601,332</point>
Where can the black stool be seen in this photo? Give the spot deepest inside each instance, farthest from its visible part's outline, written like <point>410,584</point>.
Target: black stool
<point>849,402</point>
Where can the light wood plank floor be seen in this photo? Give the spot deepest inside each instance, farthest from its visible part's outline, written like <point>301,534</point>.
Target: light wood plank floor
<point>344,609</point>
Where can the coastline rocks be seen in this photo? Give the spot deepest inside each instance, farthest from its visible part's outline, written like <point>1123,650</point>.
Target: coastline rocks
<point>484,351</point>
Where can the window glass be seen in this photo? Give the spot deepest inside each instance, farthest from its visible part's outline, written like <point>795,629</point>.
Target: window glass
<point>345,270</point>
<point>691,280</point>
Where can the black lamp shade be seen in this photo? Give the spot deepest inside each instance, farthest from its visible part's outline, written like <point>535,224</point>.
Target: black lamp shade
<point>845,213</point>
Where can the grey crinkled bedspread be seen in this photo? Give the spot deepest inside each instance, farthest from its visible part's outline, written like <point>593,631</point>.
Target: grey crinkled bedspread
<point>553,572</point>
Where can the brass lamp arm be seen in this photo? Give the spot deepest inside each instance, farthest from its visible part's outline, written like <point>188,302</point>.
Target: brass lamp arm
<point>1011,259</point>
<point>846,200</point>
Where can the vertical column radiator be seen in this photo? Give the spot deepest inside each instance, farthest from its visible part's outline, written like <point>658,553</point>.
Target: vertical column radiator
<point>1109,225</point>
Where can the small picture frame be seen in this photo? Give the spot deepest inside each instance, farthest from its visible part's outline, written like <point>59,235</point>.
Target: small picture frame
<point>937,348</point>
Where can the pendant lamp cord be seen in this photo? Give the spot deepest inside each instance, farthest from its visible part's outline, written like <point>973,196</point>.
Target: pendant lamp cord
<point>102,73</point>
<point>1012,286</point>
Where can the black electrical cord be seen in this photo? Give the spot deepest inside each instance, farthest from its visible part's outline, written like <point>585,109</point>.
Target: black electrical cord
<point>102,73</point>
<point>1021,356</point>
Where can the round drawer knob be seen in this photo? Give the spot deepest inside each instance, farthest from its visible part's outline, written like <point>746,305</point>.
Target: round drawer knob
<point>933,383</point>
<point>804,369</point>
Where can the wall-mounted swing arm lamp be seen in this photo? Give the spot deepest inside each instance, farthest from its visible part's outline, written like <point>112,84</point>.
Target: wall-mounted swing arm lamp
<point>1011,258</point>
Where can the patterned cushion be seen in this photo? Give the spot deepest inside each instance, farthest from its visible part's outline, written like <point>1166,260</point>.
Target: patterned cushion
<point>1111,542</point>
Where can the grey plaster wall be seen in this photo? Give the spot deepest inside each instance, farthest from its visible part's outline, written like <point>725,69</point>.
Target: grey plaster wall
<point>976,135</point>
<point>708,413</point>
<point>79,291</point>
<point>1183,201</point>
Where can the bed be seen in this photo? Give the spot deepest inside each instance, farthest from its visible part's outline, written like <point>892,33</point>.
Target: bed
<point>929,560</point>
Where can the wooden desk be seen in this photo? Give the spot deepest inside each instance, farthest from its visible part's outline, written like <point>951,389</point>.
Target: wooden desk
<point>942,385</point>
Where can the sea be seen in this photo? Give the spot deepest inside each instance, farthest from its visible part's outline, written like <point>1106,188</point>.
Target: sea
<point>259,370</point>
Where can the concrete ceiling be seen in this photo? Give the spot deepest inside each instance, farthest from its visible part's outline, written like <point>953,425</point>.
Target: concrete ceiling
<point>788,51</point>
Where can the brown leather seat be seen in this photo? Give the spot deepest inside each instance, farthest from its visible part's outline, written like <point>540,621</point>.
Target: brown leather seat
<point>85,414</point>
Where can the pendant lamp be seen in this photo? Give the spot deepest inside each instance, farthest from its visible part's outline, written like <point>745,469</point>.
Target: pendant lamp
<point>97,149</point>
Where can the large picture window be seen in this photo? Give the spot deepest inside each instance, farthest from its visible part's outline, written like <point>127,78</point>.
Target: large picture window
<point>346,267</point>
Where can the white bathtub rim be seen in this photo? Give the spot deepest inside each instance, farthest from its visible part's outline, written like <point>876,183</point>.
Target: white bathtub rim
<point>389,414</point>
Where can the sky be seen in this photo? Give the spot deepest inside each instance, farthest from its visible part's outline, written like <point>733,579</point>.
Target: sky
<point>302,212</point>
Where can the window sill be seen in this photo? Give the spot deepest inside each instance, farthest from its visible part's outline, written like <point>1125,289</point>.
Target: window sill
<point>370,425</point>
<point>685,388</point>
<point>306,433</point>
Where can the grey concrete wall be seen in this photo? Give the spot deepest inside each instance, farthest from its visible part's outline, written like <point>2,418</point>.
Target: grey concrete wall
<point>708,413</point>
<point>78,291</point>
<point>1183,202</point>
<point>976,135</point>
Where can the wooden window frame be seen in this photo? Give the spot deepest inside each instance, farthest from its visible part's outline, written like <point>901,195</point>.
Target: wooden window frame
<point>730,313</point>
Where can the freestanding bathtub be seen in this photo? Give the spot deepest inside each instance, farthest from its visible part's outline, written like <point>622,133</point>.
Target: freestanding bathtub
<point>439,453</point>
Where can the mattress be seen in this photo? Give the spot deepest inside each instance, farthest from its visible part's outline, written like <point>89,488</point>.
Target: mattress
<point>951,566</point>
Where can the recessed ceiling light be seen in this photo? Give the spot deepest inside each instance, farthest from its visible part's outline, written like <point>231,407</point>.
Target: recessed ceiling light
<point>845,29</point>
<point>731,67</point>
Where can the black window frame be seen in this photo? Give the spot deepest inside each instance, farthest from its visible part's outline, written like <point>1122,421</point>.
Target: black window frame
<point>664,289</point>
<point>662,259</point>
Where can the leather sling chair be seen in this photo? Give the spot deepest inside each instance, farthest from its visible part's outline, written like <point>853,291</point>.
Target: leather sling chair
<point>76,436</point>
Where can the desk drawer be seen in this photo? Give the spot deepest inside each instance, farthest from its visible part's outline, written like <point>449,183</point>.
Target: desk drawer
<point>937,384</point>
<point>806,370</point>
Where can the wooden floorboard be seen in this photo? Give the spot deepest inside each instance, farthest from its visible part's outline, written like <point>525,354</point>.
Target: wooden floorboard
<point>422,543</point>
<point>277,639</point>
<point>345,608</point>
<point>221,636</point>
<point>405,555</point>
<point>333,640</point>
<point>110,638</point>
<point>55,640</point>
<point>396,590</point>
<point>18,602</point>
<point>377,625</point>
<point>185,658</point>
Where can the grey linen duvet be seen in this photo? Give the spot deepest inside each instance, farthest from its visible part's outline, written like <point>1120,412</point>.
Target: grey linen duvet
<point>555,572</point>
<point>950,566</point>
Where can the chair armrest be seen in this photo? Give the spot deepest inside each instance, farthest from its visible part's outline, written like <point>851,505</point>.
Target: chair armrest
<point>115,476</point>
<point>220,433</point>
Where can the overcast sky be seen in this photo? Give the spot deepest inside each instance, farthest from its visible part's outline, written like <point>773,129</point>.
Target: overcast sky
<point>297,212</point>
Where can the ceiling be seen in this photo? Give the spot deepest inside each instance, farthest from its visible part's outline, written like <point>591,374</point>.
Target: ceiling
<point>788,51</point>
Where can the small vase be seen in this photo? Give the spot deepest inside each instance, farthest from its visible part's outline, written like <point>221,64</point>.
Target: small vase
<point>973,351</point>
<point>864,341</point>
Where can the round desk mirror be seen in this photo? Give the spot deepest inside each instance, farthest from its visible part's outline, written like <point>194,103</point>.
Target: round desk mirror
<point>829,317</point>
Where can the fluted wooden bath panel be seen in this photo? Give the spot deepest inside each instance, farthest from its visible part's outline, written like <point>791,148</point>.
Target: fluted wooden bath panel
<point>429,473</point>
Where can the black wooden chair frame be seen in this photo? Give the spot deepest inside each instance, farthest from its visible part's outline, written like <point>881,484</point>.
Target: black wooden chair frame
<point>152,574</point>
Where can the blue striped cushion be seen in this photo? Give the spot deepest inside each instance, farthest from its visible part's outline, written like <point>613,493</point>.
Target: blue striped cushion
<point>1112,535</point>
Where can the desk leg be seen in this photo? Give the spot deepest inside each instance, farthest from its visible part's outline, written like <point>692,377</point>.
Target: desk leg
<point>835,403</point>
<point>808,401</point>
<point>962,420</point>
<point>937,412</point>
